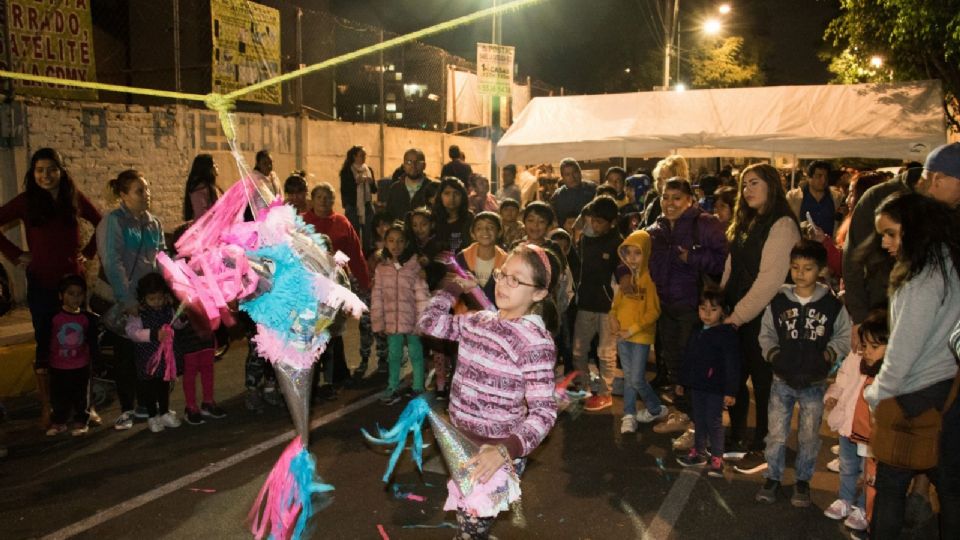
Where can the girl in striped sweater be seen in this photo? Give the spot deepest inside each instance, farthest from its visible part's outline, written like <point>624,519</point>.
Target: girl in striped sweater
<point>502,392</point>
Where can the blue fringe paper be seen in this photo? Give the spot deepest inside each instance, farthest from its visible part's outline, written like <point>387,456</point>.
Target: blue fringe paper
<point>410,421</point>
<point>303,468</point>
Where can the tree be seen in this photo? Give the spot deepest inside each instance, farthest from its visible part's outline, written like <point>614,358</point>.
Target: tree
<point>723,64</point>
<point>916,39</point>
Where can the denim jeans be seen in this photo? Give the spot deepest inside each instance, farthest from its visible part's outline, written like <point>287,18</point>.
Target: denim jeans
<point>633,360</point>
<point>851,466</point>
<point>780,412</point>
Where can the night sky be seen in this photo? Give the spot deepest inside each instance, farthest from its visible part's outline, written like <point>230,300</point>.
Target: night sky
<point>585,45</point>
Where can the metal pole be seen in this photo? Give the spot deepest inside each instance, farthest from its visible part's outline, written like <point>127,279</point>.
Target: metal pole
<point>667,44</point>
<point>177,85</point>
<point>298,93</point>
<point>495,122</point>
<point>380,107</point>
<point>678,48</point>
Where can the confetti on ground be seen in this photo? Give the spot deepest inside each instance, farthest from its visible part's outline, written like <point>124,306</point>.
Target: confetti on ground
<point>415,497</point>
<point>203,490</point>
<point>383,533</point>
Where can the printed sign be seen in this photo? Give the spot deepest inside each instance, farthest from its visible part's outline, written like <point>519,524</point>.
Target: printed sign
<point>246,48</point>
<point>52,39</point>
<point>494,69</point>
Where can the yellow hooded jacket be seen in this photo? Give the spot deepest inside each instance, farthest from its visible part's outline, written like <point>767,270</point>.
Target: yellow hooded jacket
<point>638,312</point>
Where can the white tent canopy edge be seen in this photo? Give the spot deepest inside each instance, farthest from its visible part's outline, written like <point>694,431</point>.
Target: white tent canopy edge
<point>895,120</point>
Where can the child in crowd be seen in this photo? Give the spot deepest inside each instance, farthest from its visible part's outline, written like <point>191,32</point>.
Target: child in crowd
<point>483,256</point>
<point>452,218</point>
<point>295,192</point>
<point>147,330</point>
<point>420,238</point>
<point>710,377</point>
<point>537,218</point>
<point>380,224</point>
<point>563,297</point>
<point>481,200</point>
<point>843,402</point>
<point>73,349</point>
<point>804,330</point>
<point>196,343</point>
<point>512,227</point>
<point>399,295</point>
<point>594,294</point>
<point>633,323</point>
<point>502,396</point>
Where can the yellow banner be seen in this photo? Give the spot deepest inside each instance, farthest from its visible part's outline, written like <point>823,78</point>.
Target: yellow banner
<point>246,48</point>
<point>50,39</point>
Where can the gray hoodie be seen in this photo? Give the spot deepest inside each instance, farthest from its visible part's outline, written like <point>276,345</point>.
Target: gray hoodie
<point>923,312</point>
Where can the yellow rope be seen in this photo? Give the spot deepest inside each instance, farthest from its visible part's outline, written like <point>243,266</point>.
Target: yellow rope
<point>224,103</point>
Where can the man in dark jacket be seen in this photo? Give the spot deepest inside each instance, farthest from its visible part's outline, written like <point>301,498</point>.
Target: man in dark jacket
<point>412,189</point>
<point>574,194</point>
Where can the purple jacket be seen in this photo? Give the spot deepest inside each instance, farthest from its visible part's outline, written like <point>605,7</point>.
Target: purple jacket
<point>676,280</point>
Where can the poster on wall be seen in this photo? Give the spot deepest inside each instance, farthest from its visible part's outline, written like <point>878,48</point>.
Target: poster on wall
<point>494,69</point>
<point>51,39</point>
<point>246,48</point>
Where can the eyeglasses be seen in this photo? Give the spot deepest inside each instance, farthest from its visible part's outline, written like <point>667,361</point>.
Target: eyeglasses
<point>412,161</point>
<point>511,281</point>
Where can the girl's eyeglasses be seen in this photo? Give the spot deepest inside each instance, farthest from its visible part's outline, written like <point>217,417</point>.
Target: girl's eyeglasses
<point>511,281</point>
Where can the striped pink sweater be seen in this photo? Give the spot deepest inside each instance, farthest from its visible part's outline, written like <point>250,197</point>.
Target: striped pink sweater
<point>502,391</point>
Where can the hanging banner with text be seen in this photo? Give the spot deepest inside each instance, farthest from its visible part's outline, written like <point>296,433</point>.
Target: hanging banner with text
<point>246,48</point>
<point>494,69</point>
<point>52,39</point>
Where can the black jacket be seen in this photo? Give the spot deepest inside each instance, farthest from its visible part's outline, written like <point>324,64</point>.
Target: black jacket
<point>711,361</point>
<point>592,280</point>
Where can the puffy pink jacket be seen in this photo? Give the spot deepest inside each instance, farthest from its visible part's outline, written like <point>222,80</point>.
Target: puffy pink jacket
<point>399,295</point>
<point>846,389</point>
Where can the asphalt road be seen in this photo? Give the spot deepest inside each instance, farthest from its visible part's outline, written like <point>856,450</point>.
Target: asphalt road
<point>585,482</point>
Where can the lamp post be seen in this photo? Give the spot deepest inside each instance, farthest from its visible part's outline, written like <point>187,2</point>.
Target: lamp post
<point>712,26</point>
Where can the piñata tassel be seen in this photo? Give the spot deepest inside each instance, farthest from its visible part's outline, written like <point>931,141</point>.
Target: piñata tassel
<point>164,353</point>
<point>410,421</point>
<point>284,504</point>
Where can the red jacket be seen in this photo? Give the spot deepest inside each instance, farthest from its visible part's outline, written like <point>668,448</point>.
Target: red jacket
<point>344,239</point>
<point>54,246</point>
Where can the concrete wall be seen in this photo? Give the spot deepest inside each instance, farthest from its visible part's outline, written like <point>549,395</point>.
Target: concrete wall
<point>99,140</point>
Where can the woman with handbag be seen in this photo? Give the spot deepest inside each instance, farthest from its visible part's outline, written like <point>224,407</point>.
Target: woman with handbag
<point>50,208</point>
<point>913,396</point>
<point>128,240</point>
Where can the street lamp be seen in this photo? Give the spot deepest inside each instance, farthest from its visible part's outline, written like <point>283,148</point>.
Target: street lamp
<point>876,61</point>
<point>712,26</point>
<point>724,9</point>
<point>680,87</point>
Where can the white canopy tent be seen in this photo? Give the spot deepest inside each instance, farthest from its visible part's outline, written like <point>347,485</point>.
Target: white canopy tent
<point>898,121</point>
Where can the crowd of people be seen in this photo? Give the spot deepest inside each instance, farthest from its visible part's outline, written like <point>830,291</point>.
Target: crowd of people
<point>840,296</point>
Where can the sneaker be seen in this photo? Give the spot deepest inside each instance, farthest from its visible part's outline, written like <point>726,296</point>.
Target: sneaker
<point>644,416</point>
<point>170,420</point>
<point>93,419</point>
<point>124,421</point>
<point>390,397</point>
<point>212,410</point>
<point>835,449</point>
<point>716,467</point>
<point>598,403</point>
<point>734,449</point>
<point>628,424</point>
<point>768,493</point>
<point>838,510</point>
<point>676,421</point>
<point>252,400</point>
<point>684,441</point>
<point>751,463</point>
<point>271,396</point>
<point>155,424</point>
<point>834,465</point>
<point>692,459</point>
<point>79,429</point>
<point>801,494</point>
<point>140,413</point>
<point>857,520</point>
<point>193,417</point>
<point>56,429</point>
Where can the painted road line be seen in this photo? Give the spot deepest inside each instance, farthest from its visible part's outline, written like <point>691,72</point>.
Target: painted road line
<point>213,468</point>
<point>662,524</point>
